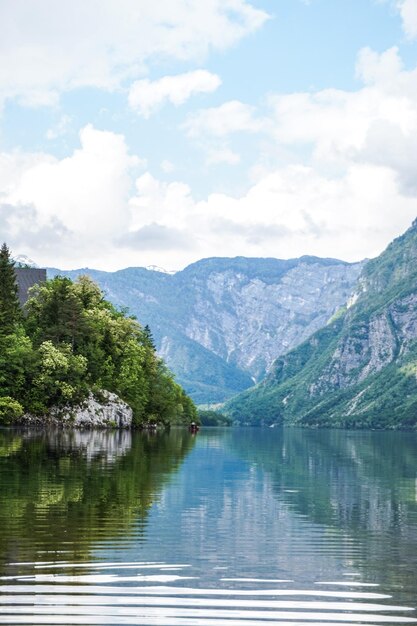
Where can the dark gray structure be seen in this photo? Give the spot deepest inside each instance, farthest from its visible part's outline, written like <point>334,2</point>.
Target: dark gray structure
<point>27,277</point>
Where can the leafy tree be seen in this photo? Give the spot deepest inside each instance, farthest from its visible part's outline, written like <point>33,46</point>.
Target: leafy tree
<point>17,364</point>
<point>82,343</point>
<point>60,376</point>
<point>71,342</point>
<point>10,410</point>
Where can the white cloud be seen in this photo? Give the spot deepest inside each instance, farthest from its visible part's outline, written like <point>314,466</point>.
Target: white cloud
<point>331,126</point>
<point>355,194</point>
<point>213,128</point>
<point>48,47</point>
<point>230,117</point>
<point>408,12</point>
<point>289,212</point>
<point>222,154</point>
<point>339,128</point>
<point>81,210</point>
<point>146,96</point>
<point>87,192</point>
<point>21,225</point>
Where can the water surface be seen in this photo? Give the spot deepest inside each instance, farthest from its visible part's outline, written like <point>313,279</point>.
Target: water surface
<point>244,527</point>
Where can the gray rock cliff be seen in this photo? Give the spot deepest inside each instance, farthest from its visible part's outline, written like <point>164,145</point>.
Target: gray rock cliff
<point>108,412</point>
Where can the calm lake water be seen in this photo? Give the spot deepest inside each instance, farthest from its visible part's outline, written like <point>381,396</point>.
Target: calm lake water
<point>241,527</point>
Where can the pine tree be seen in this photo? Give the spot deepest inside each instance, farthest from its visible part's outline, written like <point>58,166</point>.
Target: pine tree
<point>9,302</point>
<point>148,338</point>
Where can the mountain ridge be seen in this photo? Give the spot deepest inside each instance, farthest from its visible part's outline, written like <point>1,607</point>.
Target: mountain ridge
<point>221,322</point>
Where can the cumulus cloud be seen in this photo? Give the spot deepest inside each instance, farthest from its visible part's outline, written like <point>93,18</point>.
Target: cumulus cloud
<point>331,127</point>
<point>22,227</point>
<point>288,212</point>
<point>85,194</point>
<point>49,47</point>
<point>146,96</point>
<point>374,124</point>
<point>88,190</point>
<point>356,192</point>
<point>84,208</point>
<point>408,12</point>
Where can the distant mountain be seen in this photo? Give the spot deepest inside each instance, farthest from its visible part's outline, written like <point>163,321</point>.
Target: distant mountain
<point>221,322</point>
<point>361,369</point>
<point>22,260</point>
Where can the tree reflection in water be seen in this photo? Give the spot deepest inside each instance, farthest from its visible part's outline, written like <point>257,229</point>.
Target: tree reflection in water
<point>61,492</point>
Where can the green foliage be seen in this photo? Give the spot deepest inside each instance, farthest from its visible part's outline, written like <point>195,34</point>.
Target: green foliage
<point>10,410</point>
<point>9,303</point>
<point>213,418</point>
<point>71,341</point>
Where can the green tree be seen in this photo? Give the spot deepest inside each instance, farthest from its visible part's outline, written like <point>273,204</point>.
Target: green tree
<point>10,410</point>
<point>9,302</point>
<point>77,342</point>
<point>17,364</point>
<point>61,373</point>
<point>55,312</point>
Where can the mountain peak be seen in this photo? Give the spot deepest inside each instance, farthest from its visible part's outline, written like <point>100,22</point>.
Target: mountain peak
<point>22,260</point>
<point>161,270</point>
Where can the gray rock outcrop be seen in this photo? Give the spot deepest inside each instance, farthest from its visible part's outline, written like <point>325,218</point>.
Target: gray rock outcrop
<point>107,412</point>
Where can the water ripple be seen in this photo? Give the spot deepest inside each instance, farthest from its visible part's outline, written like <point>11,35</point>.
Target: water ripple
<point>114,602</point>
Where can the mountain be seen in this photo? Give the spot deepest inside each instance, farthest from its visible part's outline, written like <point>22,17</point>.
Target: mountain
<point>360,370</point>
<point>221,322</point>
<point>22,260</point>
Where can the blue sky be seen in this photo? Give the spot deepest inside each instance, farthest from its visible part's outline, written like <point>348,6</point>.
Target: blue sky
<point>140,133</point>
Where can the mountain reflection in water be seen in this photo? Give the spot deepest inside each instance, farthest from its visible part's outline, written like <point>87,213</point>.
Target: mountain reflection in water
<point>243,527</point>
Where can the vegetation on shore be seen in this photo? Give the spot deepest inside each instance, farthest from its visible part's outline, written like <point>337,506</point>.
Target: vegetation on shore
<point>210,417</point>
<point>70,341</point>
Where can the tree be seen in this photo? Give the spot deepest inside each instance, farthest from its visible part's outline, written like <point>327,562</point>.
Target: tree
<point>76,342</point>
<point>9,302</point>
<point>55,312</point>
<point>148,338</point>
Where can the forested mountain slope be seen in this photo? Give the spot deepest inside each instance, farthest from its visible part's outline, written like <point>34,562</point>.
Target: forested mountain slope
<point>221,322</point>
<point>361,369</point>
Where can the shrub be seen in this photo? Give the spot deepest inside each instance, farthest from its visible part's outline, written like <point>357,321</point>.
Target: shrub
<point>10,410</point>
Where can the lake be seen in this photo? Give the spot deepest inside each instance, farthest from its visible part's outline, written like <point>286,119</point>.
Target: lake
<point>231,527</point>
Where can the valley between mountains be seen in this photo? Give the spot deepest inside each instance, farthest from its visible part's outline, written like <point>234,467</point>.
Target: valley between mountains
<point>222,322</point>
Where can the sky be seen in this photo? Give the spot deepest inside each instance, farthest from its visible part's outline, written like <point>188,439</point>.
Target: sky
<point>137,133</point>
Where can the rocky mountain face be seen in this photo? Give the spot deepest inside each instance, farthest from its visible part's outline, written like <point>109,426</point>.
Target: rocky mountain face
<point>361,369</point>
<point>220,323</point>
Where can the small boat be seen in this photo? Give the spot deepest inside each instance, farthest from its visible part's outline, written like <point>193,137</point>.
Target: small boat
<point>193,427</point>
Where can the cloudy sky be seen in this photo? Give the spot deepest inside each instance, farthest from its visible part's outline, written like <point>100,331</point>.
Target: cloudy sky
<point>135,132</point>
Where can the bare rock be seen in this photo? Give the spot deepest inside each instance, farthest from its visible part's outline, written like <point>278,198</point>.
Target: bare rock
<point>109,411</point>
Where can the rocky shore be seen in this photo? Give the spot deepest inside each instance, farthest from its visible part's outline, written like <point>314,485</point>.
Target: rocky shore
<point>107,412</point>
